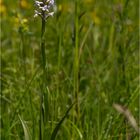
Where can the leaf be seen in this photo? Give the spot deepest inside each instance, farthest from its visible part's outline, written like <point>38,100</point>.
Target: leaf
<point>77,130</point>
<point>55,131</point>
<point>25,128</point>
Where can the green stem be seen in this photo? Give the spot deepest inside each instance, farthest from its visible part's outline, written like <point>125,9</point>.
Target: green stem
<point>43,62</point>
<point>23,55</point>
<point>76,61</point>
<point>60,49</point>
<point>43,46</point>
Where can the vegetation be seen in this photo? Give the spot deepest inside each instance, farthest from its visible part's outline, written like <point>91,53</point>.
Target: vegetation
<point>77,78</point>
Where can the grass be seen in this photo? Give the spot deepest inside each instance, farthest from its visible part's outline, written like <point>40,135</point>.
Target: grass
<point>81,82</point>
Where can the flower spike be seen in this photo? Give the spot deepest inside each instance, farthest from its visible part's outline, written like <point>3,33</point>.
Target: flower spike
<point>43,8</point>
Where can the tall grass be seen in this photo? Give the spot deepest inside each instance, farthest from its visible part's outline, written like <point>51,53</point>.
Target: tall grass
<point>76,60</point>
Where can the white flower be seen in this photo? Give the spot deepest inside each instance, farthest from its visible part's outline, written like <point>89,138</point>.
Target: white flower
<point>37,13</point>
<point>43,8</point>
<point>49,14</point>
<point>38,3</point>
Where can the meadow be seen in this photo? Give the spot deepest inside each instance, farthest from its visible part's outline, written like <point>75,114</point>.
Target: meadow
<point>74,76</point>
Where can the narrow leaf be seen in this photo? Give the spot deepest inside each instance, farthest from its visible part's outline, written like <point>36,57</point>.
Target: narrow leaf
<point>55,131</point>
<point>25,128</point>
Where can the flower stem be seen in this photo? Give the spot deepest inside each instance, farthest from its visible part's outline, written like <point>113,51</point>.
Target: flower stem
<point>43,62</point>
<point>43,45</point>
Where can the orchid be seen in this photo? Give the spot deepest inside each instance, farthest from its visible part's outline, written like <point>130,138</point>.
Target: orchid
<point>43,8</point>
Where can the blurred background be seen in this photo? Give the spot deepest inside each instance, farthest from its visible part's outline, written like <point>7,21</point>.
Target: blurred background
<point>108,68</point>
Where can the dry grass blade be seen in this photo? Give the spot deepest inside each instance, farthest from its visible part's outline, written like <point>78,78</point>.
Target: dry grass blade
<point>125,111</point>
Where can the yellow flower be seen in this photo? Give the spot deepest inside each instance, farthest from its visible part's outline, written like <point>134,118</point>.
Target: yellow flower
<point>24,21</point>
<point>16,21</point>
<point>24,4</point>
<point>0,1</point>
<point>20,23</point>
<point>2,8</point>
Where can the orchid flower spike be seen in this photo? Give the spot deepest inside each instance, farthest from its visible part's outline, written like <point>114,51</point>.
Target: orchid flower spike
<point>44,8</point>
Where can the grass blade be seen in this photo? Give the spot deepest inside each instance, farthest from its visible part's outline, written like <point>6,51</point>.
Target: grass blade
<point>25,128</point>
<point>55,131</point>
